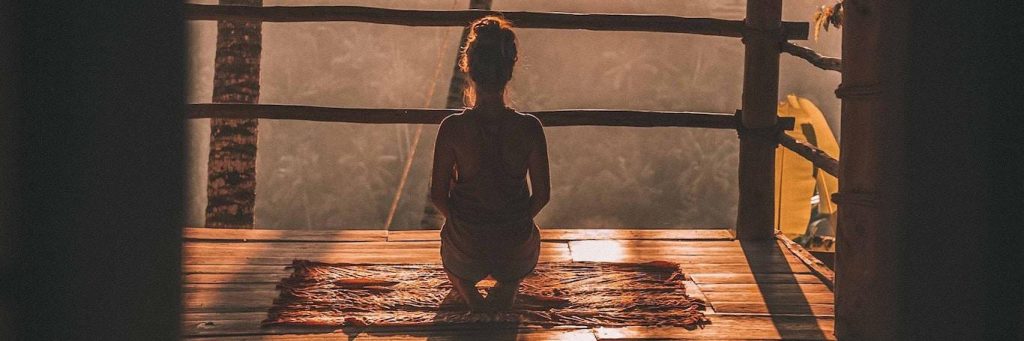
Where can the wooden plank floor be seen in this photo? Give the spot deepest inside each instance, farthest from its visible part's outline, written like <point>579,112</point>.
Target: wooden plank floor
<point>755,290</point>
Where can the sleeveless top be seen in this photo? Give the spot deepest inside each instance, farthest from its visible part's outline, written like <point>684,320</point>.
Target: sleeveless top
<point>490,230</point>
<point>493,195</point>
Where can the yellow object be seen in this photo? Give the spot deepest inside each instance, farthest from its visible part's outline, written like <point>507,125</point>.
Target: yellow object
<point>795,178</point>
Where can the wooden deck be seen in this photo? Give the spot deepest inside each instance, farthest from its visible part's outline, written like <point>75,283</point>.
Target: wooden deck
<point>754,290</point>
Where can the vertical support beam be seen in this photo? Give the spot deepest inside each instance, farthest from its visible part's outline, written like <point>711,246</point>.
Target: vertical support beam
<point>929,236</point>
<point>870,184</point>
<point>755,214</point>
<point>231,185</point>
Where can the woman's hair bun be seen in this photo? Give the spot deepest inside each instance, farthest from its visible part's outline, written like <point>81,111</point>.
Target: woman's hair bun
<point>489,27</point>
<point>490,52</point>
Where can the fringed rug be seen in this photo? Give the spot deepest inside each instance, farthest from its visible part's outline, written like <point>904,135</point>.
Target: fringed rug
<point>556,294</point>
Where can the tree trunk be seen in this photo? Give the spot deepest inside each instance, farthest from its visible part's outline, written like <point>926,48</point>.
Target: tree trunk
<point>231,187</point>
<point>432,219</point>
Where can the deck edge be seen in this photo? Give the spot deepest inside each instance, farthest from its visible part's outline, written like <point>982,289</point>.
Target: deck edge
<point>818,268</point>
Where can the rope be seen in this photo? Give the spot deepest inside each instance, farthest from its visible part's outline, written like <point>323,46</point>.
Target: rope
<point>419,132</point>
<point>779,187</point>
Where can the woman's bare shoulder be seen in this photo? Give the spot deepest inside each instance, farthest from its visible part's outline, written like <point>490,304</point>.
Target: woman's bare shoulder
<point>530,127</point>
<point>454,121</point>
<point>457,117</point>
<point>452,126</point>
<point>528,121</point>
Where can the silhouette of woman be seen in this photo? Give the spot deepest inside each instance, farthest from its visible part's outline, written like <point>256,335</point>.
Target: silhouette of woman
<point>481,159</point>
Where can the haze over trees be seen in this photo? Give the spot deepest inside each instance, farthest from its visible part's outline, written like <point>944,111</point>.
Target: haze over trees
<point>336,175</point>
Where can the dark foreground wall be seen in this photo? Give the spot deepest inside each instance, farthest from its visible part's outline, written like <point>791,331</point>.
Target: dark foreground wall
<point>90,169</point>
<point>930,236</point>
<point>962,254</point>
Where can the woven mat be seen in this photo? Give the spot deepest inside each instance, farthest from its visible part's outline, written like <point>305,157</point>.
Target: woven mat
<point>556,294</point>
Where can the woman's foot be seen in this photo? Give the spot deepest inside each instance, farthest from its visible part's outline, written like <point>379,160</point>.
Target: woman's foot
<point>476,304</point>
<point>469,294</point>
<point>503,295</point>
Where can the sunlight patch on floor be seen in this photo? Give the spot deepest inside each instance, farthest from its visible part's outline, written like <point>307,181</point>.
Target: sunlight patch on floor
<point>599,251</point>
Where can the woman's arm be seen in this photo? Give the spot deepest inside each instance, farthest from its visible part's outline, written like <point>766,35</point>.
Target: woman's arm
<point>444,163</point>
<point>540,179</point>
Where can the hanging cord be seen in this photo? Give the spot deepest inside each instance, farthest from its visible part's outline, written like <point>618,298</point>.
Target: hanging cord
<point>419,132</point>
<point>781,168</point>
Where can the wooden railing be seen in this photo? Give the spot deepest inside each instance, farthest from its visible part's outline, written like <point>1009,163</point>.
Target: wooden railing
<point>763,32</point>
<point>552,20</point>
<point>595,22</point>
<point>816,156</point>
<point>555,118</point>
<point>815,58</point>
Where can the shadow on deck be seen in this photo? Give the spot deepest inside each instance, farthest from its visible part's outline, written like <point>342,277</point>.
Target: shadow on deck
<point>755,290</point>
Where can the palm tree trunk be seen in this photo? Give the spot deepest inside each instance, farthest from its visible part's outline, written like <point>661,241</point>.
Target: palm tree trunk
<point>432,219</point>
<point>231,186</point>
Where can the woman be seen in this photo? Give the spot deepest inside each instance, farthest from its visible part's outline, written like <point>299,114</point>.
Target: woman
<point>481,159</point>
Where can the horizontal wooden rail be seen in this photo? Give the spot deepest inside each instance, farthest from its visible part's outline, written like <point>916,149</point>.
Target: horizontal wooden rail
<point>595,22</point>
<point>818,157</point>
<point>555,118</point>
<point>815,58</point>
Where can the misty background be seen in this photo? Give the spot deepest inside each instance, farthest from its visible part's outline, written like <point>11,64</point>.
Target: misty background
<point>344,176</point>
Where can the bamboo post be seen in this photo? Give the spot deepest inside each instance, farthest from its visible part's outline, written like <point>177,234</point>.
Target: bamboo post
<point>755,213</point>
<point>872,176</point>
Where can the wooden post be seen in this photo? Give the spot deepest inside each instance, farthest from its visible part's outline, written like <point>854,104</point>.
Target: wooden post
<point>928,245</point>
<point>755,213</point>
<point>231,185</point>
<point>870,182</point>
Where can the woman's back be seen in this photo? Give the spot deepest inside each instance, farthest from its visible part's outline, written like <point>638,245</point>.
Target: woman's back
<point>492,149</point>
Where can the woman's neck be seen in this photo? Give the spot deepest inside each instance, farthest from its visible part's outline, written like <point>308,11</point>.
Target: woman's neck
<point>489,100</point>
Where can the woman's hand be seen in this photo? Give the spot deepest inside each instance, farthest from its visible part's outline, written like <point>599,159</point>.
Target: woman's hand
<point>537,165</point>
